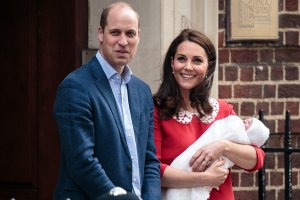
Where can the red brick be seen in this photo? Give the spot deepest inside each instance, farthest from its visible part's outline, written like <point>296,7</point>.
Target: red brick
<point>281,194</point>
<point>276,178</point>
<point>235,107</point>
<point>247,108</point>
<point>244,56</point>
<point>292,38</point>
<point>269,91</point>
<point>257,179</point>
<point>264,106</point>
<point>235,176</point>
<point>247,179</point>
<point>293,107</point>
<point>224,91</point>
<point>246,195</point>
<point>269,161</point>
<point>277,73</point>
<point>271,125</point>
<point>293,140</point>
<point>295,126</point>
<point>247,91</point>
<point>280,41</point>
<point>277,108</point>
<point>267,179</point>
<point>280,160</point>
<point>261,73</point>
<point>231,73</point>
<point>291,73</point>
<point>297,145</point>
<point>281,125</point>
<point>223,56</point>
<point>296,192</point>
<point>287,55</point>
<point>270,194</point>
<point>266,55</point>
<point>281,7</point>
<point>220,73</point>
<point>289,21</point>
<point>291,5</point>
<point>246,73</point>
<point>295,178</point>
<point>222,20</point>
<point>275,140</point>
<point>221,40</point>
<point>289,91</point>
<point>295,161</point>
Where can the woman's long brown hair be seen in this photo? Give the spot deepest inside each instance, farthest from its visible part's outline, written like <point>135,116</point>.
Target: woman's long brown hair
<point>168,97</point>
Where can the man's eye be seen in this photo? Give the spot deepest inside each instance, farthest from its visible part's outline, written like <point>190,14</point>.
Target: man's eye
<point>114,33</point>
<point>131,34</point>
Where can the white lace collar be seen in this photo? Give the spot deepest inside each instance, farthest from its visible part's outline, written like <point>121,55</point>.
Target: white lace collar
<point>185,117</point>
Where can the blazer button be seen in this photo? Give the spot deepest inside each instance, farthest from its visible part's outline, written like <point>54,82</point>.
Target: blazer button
<point>129,168</point>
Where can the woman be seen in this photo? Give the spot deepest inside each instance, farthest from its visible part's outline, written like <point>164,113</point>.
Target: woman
<point>184,111</point>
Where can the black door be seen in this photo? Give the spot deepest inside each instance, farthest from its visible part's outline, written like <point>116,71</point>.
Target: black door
<point>41,41</point>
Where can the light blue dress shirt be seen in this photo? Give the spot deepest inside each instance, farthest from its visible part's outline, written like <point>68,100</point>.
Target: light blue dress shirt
<point>118,85</point>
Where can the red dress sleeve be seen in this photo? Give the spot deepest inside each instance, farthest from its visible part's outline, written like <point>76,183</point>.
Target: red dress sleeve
<point>260,155</point>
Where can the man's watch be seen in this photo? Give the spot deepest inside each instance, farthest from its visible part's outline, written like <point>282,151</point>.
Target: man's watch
<point>116,191</point>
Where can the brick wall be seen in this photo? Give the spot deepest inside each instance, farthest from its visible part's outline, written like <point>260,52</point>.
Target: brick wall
<point>265,75</point>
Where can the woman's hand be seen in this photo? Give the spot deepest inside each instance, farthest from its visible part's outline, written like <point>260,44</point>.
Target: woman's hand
<point>216,174</point>
<point>206,155</point>
<point>213,176</point>
<point>243,156</point>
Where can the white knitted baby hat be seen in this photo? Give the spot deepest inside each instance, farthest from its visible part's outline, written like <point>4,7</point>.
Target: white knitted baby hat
<point>258,133</point>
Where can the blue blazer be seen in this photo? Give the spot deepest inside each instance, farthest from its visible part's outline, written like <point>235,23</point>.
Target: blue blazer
<point>94,153</point>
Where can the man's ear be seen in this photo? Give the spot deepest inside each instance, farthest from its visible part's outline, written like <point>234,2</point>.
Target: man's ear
<point>100,34</point>
<point>139,33</point>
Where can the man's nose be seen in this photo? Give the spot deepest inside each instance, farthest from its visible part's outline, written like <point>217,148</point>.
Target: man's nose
<point>123,40</point>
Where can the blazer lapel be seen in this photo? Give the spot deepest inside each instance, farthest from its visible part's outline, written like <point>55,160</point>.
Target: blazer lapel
<point>134,105</point>
<point>103,84</point>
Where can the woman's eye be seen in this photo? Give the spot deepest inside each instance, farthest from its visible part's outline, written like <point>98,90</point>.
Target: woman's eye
<point>197,61</point>
<point>181,59</point>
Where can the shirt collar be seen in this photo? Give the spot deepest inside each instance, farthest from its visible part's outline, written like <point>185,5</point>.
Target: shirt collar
<point>110,72</point>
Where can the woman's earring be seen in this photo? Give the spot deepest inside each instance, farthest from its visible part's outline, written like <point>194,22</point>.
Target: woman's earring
<point>206,77</point>
<point>172,72</point>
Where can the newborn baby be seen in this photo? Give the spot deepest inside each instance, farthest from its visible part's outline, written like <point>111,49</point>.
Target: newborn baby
<point>232,128</point>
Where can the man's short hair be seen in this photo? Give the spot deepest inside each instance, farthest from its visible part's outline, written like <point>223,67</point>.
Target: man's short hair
<point>105,12</point>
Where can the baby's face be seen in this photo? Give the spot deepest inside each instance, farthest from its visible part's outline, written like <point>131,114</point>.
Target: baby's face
<point>247,123</point>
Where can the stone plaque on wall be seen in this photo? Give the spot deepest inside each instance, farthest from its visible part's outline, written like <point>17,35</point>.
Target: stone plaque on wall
<point>252,20</point>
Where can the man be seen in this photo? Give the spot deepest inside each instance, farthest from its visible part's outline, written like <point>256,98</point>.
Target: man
<point>105,119</point>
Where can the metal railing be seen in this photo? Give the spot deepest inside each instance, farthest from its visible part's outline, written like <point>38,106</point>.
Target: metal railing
<point>287,150</point>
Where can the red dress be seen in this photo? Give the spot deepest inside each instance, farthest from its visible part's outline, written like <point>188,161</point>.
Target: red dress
<point>172,137</point>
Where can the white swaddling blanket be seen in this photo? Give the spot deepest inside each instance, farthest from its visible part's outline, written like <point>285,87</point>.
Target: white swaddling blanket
<point>230,128</point>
